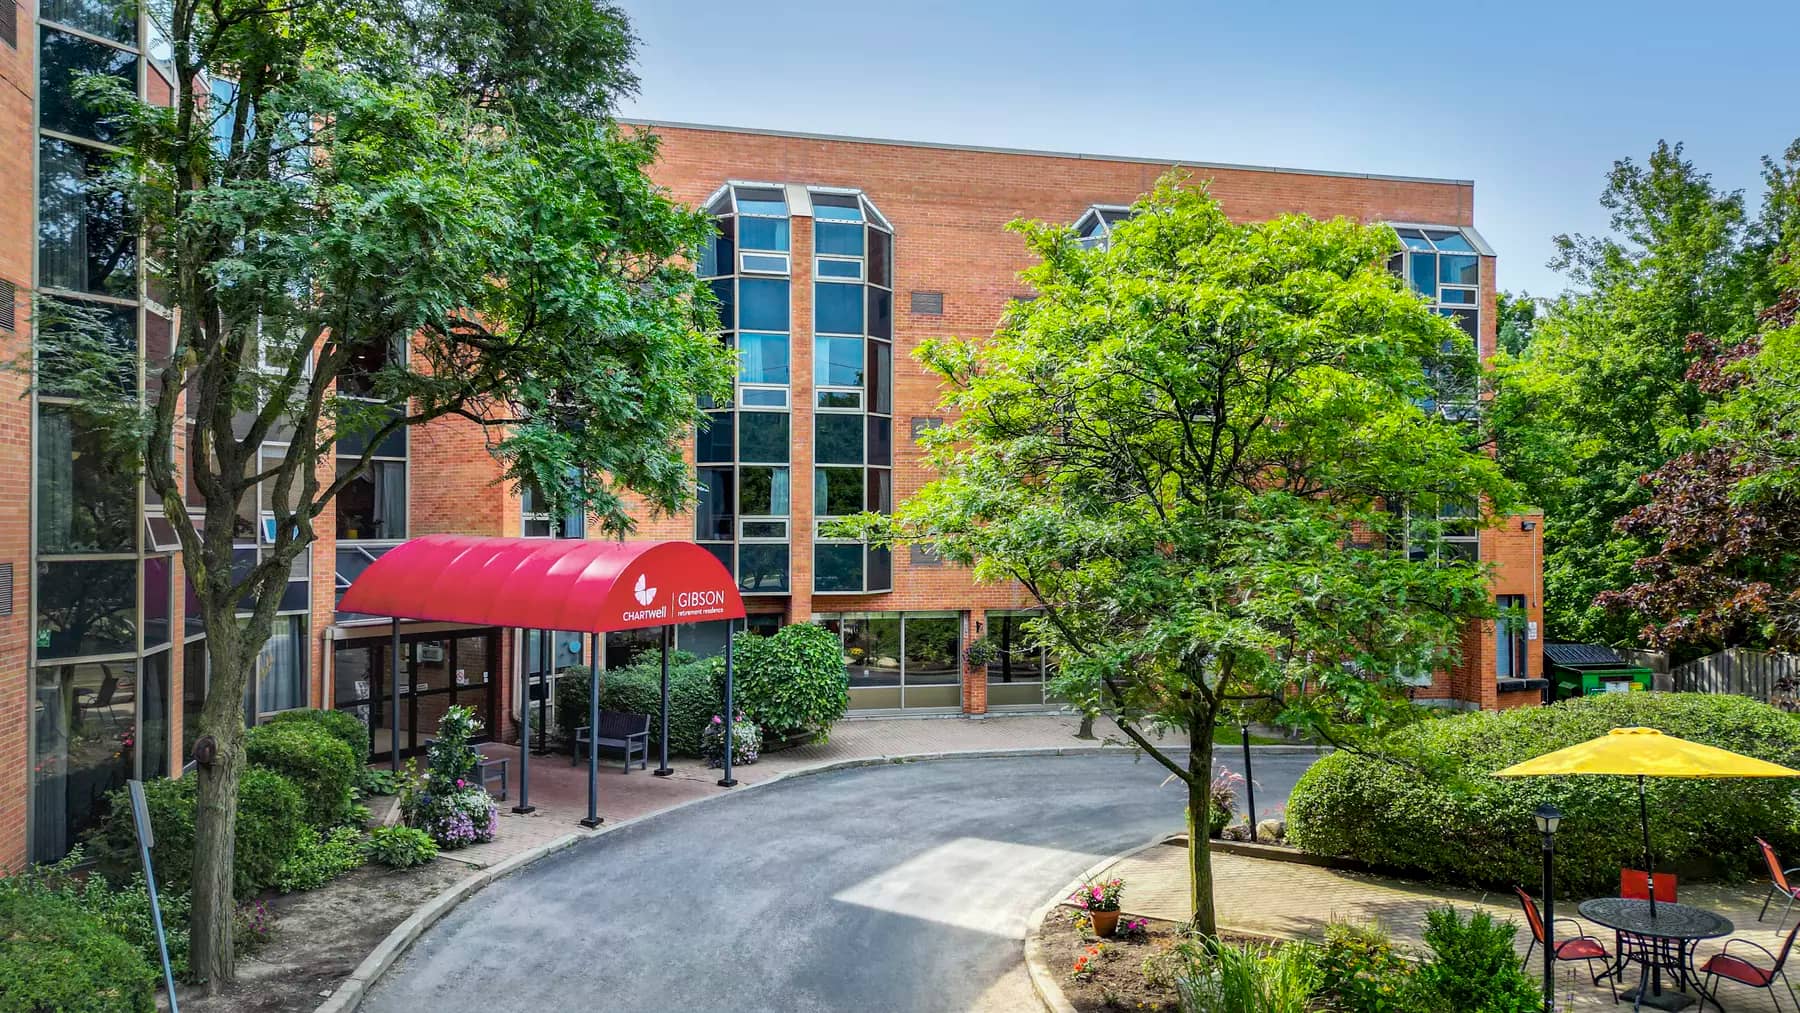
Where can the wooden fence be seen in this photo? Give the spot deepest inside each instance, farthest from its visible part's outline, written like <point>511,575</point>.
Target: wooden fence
<point>1763,675</point>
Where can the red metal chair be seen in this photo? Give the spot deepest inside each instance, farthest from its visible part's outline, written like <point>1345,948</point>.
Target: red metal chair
<point>1578,946</point>
<point>1778,883</point>
<point>1634,884</point>
<point>1731,967</point>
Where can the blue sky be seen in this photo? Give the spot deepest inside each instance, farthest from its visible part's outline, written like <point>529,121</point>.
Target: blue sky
<point>1532,100</point>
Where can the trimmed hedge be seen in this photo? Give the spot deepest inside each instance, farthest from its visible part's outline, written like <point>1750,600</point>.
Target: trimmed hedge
<point>56,958</point>
<point>268,829</point>
<point>344,727</point>
<point>317,761</point>
<point>693,699</point>
<point>791,682</point>
<point>1434,812</point>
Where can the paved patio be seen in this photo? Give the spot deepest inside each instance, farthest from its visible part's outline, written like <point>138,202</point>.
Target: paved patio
<point>1263,897</point>
<point>559,790</point>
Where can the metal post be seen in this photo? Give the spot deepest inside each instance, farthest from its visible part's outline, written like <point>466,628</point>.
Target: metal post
<point>663,769</point>
<point>728,781</point>
<point>140,815</point>
<point>394,701</point>
<point>525,805</point>
<point>547,652</point>
<point>1249,788</point>
<point>593,816</point>
<point>1549,923</point>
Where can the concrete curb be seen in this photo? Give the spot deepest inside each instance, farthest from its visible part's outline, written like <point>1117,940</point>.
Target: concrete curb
<point>1044,980</point>
<point>349,994</point>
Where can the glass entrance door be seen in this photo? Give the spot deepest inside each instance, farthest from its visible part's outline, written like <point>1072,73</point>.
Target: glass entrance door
<point>438,671</point>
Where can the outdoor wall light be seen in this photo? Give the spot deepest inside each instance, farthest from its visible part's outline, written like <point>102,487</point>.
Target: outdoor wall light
<point>1548,819</point>
<point>1528,525</point>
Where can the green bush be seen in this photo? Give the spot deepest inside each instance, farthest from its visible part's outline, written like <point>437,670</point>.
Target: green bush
<point>268,826</point>
<point>124,911</point>
<point>319,764</point>
<point>1362,971</point>
<point>1252,979</point>
<point>791,682</point>
<point>342,725</point>
<point>1473,967</point>
<point>319,860</point>
<point>57,958</point>
<point>693,699</point>
<point>401,847</point>
<point>1438,814</point>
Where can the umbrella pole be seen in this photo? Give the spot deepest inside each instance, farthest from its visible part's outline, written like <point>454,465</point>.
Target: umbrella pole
<point>1649,859</point>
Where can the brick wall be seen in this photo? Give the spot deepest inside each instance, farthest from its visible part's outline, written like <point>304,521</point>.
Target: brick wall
<point>17,83</point>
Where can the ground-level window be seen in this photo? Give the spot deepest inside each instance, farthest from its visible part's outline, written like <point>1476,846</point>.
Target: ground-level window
<point>437,671</point>
<point>1017,675</point>
<point>1511,659</point>
<point>84,719</point>
<point>900,659</point>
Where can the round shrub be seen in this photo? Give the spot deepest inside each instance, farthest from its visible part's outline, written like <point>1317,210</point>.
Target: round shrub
<point>56,957</point>
<point>401,847</point>
<point>343,726</point>
<point>319,764</point>
<point>791,682</point>
<point>268,829</point>
<point>636,689</point>
<point>1431,809</point>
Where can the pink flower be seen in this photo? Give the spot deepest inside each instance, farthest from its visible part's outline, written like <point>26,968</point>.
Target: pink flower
<point>460,783</point>
<point>717,720</point>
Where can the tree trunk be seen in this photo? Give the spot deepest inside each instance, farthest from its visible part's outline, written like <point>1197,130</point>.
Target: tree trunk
<point>1087,727</point>
<point>212,921</point>
<point>1199,813</point>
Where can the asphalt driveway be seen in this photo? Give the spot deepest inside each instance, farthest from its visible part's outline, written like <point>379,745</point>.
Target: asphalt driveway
<point>893,888</point>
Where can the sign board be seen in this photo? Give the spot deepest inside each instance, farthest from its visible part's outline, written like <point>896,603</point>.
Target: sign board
<point>1531,631</point>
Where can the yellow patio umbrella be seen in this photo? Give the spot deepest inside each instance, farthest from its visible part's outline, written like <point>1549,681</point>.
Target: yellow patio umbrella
<point>1641,753</point>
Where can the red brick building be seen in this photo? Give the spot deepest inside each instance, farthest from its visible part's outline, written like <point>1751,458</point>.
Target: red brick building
<point>843,255</point>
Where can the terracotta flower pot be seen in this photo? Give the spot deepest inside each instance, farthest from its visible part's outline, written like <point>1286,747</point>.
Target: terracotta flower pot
<point>1105,923</point>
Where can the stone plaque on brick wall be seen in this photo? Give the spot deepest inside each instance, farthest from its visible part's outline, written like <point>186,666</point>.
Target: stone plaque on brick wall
<point>928,304</point>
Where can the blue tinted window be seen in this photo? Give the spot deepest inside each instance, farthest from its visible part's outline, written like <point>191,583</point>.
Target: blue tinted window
<point>837,239</point>
<point>763,234</point>
<point>838,439</point>
<point>837,206</point>
<point>1450,242</point>
<point>713,512</point>
<point>762,358</point>
<point>722,291</point>
<point>713,440</point>
<point>1459,270</point>
<point>1424,275</point>
<point>765,304</point>
<point>838,362</point>
<point>765,263</point>
<point>881,439</point>
<point>1457,295</point>
<point>758,397</point>
<point>764,437</point>
<point>881,312</point>
<point>837,567</point>
<point>715,257</point>
<point>757,201</point>
<point>838,309</point>
<point>840,269</point>
<point>1413,239</point>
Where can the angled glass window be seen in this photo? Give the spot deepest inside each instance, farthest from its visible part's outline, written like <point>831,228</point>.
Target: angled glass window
<point>762,358</point>
<point>713,513</point>
<point>764,304</point>
<point>881,258</point>
<point>724,295</point>
<point>763,437</point>
<point>838,362</point>
<point>87,240</point>
<point>842,207</point>
<point>838,438</point>
<point>714,441</point>
<point>881,439</point>
<point>1413,239</point>
<point>881,491</point>
<point>881,312</point>
<point>879,568</point>
<point>64,58</point>
<point>752,200</point>
<point>717,256</point>
<point>109,19</point>
<point>838,309</point>
<point>763,234</point>
<point>837,239</point>
<point>881,377</point>
<point>1449,242</point>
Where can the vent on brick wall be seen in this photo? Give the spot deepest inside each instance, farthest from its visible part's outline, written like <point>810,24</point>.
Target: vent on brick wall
<point>920,423</point>
<point>928,304</point>
<point>5,589</point>
<point>926,555</point>
<point>8,296</point>
<point>9,22</point>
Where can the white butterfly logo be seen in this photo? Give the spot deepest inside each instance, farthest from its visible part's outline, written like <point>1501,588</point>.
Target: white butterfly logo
<point>645,595</point>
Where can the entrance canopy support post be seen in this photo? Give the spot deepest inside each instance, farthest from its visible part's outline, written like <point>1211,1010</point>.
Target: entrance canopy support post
<point>525,805</point>
<point>662,768</point>
<point>394,702</point>
<point>728,781</point>
<point>593,816</point>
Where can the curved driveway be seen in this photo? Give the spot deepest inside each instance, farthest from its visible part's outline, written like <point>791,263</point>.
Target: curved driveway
<point>892,888</point>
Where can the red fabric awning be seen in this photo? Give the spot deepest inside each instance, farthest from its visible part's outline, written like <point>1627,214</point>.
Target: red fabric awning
<point>546,584</point>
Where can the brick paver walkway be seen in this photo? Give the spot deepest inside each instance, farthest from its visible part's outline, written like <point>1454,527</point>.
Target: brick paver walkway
<point>1263,897</point>
<point>559,790</point>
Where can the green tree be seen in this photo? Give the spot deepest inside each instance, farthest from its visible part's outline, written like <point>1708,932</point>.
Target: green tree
<point>370,217</point>
<point>1600,397</point>
<point>1186,447</point>
<point>1517,315</point>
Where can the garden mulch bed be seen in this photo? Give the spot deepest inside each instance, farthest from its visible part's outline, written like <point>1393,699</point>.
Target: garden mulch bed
<point>1118,981</point>
<point>320,936</point>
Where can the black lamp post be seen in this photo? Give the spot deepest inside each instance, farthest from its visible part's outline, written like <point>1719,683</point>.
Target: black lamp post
<point>1548,819</point>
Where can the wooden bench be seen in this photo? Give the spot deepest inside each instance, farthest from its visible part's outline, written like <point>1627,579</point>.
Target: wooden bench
<point>618,730</point>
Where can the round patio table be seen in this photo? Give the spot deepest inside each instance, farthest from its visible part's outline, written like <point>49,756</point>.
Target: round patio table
<point>1665,942</point>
